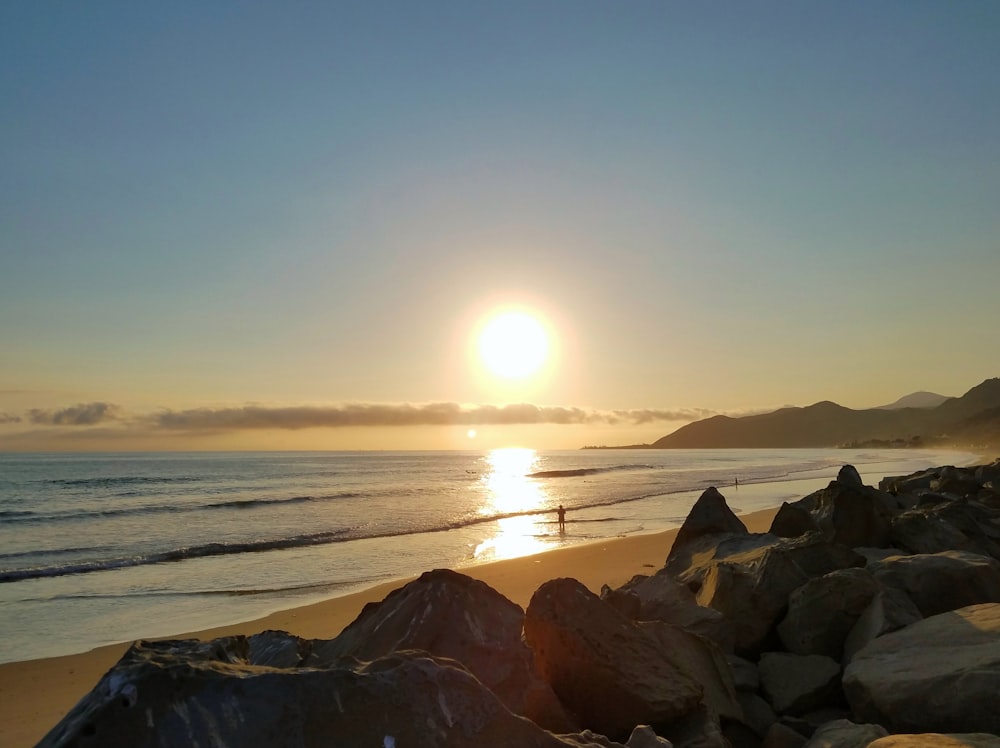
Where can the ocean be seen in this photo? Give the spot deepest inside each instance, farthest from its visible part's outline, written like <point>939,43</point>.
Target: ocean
<point>104,548</point>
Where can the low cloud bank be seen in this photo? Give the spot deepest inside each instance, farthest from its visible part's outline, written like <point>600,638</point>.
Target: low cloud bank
<point>433,414</point>
<point>250,417</point>
<point>84,414</point>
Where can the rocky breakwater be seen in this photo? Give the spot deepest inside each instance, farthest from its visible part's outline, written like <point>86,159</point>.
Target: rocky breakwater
<point>864,617</point>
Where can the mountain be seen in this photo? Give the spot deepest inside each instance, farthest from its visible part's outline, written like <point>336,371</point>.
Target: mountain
<point>920,399</point>
<point>974,416</point>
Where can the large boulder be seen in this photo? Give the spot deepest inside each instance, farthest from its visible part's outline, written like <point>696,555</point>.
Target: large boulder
<point>791,521</point>
<point>850,513</point>
<point>709,518</point>
<point>795,684</point>
<point>948,525</point>
<point>941,674</point>
<point>822,612</point>
<point>608,670</point>
<point>452,615</point>
<point>938,582</point>
<point>660,597</point>
<point>890,610</point>
<point>749,579</point>
<point>207,694</point>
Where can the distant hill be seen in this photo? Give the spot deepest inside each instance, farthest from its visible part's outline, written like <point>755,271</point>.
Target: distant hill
<point>974,416</point>
<point>916,400</point>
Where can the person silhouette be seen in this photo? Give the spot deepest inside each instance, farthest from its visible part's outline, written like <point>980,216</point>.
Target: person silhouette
<point>562,518</point>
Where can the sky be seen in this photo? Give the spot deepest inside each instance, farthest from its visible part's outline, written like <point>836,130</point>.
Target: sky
<point>284,225</point>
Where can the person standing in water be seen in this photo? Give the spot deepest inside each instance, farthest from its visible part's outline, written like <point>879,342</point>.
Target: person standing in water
<point>562,518</point>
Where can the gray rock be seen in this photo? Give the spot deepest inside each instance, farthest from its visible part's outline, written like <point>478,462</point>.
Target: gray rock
<point>843,733</point>
<point>662,598</point>
<point>757,713</point>
<point>890,610</point>
<point>849,476</point>
<point>791,521</point>
<point>822,612</point>
<point>749,579</point>
<point>709,517</point>
<point>745,675</point>
<point>795,684</point>
<point>193,693</point>
<point>851,514</point>
<point>610,672</point>
<point>941,674</point>
<point>939,582</point>
<point>452,615</point>
<point>782,736</point>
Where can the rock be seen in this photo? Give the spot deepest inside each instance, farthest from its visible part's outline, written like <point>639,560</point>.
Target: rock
<point>937,740</point>
<point>745,675</point>
<point>699,729</point>
<point>948,525</point>
<point>452,615</point>
<point>205,693</point>
<point>791,521</point>
<point>849,476</point>
<point>822,612</point>
<point>278,649</point>
<point>900,484</point>
<point>603,667</point>
<point>890,610</point>
<point>781,736</point>
<point>851,514</point>
<point>941,674</point>
<point>662,598</point>
<point>795,684</point>
<point>843,733</point>
<point>749,581</point>
<point>624,601</point>
<point>702,660</point>
<point>643,736</point>
<point>938,582</point>
<point>709,517</point>
<point>757,713</point>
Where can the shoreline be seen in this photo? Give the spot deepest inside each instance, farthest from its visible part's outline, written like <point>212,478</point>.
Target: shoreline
<point>36,694</point>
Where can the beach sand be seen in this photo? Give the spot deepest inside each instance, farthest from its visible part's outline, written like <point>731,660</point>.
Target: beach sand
<point>36,694</point>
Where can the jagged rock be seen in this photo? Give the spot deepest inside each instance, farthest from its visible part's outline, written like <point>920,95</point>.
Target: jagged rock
<point>848,475</point>
<point>822,612</point>
<point>890,610</point>
<point>701,659</point>
<point>941,674</point>
<point>937,740</point>
<point>745,675</point>
<point>709,517</point>
<point>782,736</point>
<point>948,525</point>
<point>624,601</point>
<point>205,693</point>
<point>843,733</point>
<point>603,667</point>
<point>662,598</point>
<point>938,582</point>
<point>912,483</point>
<point>795,684</point>
<point>749,580</point>
<point>452,615</point>
<point>643,736</point>
<point>791,521</point>
<point>757,713</point>
<point>851,514</point>
<point>278,649</point>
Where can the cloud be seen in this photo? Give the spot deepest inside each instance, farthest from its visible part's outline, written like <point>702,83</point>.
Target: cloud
<point>379,414</point>
<point>84,414</point>
<point>8,418</point>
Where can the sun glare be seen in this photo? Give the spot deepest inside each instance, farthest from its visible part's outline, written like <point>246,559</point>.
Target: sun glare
<point>513,345</point>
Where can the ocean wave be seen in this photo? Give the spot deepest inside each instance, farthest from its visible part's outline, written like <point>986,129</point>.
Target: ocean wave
<point>78,514</point>
<point>122,480</point>
<point>576,472</point>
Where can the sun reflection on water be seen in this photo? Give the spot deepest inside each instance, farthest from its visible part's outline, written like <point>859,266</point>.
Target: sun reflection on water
<point>511,491</point>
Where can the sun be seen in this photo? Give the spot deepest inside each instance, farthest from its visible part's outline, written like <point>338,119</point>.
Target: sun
<point>513,345</point>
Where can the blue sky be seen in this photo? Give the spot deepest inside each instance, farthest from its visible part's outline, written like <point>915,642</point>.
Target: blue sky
<point>715,207</point>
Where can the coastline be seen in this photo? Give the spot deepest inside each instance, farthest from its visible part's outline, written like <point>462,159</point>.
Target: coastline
<point>36,694</point>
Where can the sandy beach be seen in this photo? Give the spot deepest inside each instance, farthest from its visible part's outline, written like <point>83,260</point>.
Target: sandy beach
<point>34,695</point>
